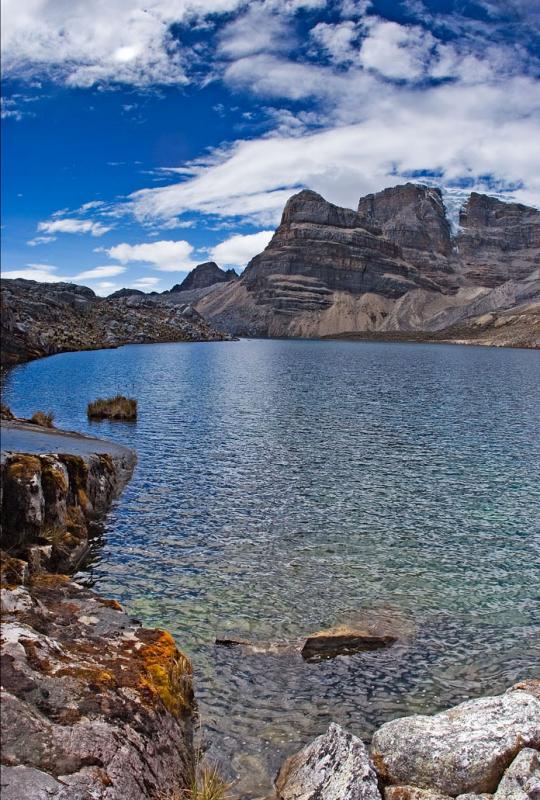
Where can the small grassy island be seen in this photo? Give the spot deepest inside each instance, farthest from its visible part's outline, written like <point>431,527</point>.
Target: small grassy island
<point>118,407</point>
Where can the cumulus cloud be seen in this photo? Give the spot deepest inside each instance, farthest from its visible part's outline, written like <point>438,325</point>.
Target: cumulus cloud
<point>258,30</point>
<point>71,226</point>
<point>81,44</point>
<point>167,256</point>
<point>238,250</point>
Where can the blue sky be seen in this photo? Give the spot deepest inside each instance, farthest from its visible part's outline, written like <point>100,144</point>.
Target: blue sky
<point>140,139</point>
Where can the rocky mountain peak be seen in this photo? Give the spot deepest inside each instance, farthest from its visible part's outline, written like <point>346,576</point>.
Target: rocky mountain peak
<point>309,207</point>
<point>482,210</point>
<point>411,215</point>
<point>204,275</point>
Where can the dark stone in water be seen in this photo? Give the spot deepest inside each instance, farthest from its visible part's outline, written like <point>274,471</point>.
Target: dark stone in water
<point>339,641</point>
<point>342,641</point>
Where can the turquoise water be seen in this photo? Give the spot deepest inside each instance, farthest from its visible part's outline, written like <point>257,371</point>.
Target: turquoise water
<point>283,486</point>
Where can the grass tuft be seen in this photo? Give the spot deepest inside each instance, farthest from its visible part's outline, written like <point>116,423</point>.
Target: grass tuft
<point>45,419</point>
<point>118,407</point>
<point>6,412</point>
<point>208,785</point>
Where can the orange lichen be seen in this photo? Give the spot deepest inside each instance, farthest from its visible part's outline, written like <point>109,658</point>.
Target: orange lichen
<point>93,676</point>
<point>54,480</point>
<point>22,468</point>
<point>49,580</point>
<point>13,571</point>
<point>168,672</point>
<point>33,657</point>
<point>109,603</point>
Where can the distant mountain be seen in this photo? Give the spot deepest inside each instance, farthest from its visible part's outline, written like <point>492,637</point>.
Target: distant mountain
<point>124,293</point>
<point>40,319</point>
<point>391,267</point>
<point>204,275</point>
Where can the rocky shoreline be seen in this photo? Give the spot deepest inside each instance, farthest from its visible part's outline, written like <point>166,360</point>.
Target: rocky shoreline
<point>97,707</point>
<point>93,704</point>
<point>44,319</point>
<point>480,750</point>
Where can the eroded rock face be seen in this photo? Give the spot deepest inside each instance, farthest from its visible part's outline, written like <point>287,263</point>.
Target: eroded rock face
<point>335,766</point>
<point>465,749</point>
<point>392,266</point>
<point>93,705</point>
<point>326,248</point>
<point>497,241</point>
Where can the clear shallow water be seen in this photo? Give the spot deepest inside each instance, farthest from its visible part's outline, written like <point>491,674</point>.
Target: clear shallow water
<point>282,486</point>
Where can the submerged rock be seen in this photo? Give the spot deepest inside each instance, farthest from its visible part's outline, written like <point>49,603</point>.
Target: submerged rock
<point>335,766</point>
<point>342,640</point>
<point>465,749</point>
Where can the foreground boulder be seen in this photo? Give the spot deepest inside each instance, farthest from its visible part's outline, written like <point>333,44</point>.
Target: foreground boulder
<point>93,706</point>
<point>335,766</point>
<point>465,749</point>
<point>521,780</point>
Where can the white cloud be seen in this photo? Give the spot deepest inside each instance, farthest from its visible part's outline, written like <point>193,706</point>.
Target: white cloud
<point>260,29</point>
<point>167,256</point>
<point>40,240</point>
<point>45,273</point>
<point>146,283</point>
<point>460,130</point>
<point>396,51</point>
<point>73,226</point>
<point>238,250</point>
<point>95,273</point>
<point>81,43</point>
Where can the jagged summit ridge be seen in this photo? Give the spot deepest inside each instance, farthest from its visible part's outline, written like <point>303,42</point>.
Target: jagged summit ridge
<point>393,264</point>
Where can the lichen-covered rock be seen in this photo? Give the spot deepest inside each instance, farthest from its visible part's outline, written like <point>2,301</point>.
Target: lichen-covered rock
<point>50,502</point>
<point>464,749</point>
<point>531,686</point>
<point>335,766</point>
<point>412,793</point>
<point>93,705</point>
<point>34,784</point>
<point>521,781</point>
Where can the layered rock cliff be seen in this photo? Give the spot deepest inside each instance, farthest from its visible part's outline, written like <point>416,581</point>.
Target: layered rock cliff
<point>394,265</point>
<point>42,319</point>
<point>94,707</point>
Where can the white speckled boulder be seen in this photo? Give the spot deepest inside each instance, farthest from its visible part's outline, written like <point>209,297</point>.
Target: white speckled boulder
<point>464,749</point>
<point>521,781</point>
<point>335,766</point>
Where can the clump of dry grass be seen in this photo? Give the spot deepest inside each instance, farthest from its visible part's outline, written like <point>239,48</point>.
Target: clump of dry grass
<point>6,412</point>
<point>118,407</point>
<point>43,418</point>
<point>208,785</point>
